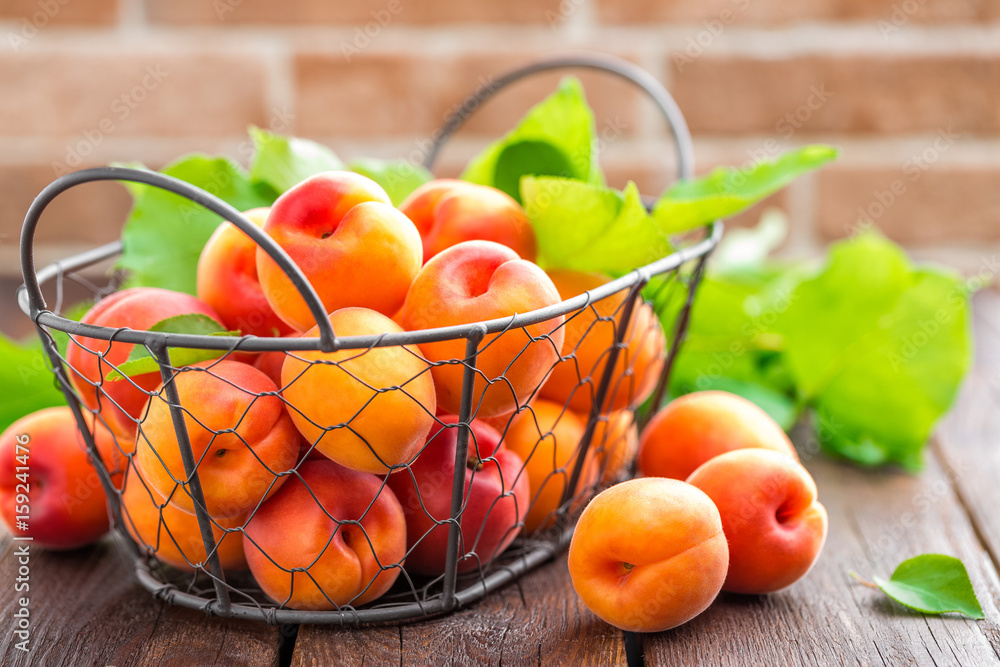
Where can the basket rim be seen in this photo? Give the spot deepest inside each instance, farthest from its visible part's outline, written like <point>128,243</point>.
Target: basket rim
<point>250,343</point>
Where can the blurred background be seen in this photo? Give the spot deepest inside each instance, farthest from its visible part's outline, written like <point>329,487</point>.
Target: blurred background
<point>910,89</point>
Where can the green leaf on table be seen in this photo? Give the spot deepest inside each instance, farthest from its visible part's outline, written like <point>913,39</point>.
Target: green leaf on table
<point>165,233</point>
<point>933,584</point>
<point>879,347</point>
<point>588,227</point>
<point>140,361</point>
<point>729,190</point>
<point>26,382</point>
<point>281,161</point>
<point>555,138</point>
<point>397,177</point>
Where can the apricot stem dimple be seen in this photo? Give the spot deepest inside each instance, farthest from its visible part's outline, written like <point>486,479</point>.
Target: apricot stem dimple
<point>628,566</point>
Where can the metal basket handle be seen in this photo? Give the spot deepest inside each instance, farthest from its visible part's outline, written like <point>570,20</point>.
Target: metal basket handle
<point>597,61</point>
<point>31,287</point>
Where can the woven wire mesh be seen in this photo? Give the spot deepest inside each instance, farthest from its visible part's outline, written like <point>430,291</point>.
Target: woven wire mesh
<point>548,409</point>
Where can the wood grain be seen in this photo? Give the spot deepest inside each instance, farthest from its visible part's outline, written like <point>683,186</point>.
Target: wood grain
<point>87,609</point>
<point>538,620</point>
<point>877,520</point>
<point>968,439</point>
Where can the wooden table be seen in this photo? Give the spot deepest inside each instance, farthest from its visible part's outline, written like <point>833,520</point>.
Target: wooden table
<point>86,607</point>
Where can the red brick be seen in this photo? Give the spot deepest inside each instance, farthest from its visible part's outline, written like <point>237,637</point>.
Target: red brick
<point>943,203</point>
<point>88,214</point>
<point>866,94</point>
<point>29,16</point>
<point>81,95</point>
<point>410,94</point>
<point>745,12</point>
<point>380,13</point>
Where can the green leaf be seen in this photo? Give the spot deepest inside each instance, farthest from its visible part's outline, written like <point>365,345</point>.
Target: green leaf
<point>729,190</point>
<point>140,361</point>
<point>933,584</point>
<point>165,233</point>
<point>555,138</point>
<point>282,162</point>
<point>26,383</point>
<point>588,227</point>
<point>879,347</point>
<point>397,177</point>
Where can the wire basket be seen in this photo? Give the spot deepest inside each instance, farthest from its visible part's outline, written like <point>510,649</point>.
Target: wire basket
<point>547,415</point>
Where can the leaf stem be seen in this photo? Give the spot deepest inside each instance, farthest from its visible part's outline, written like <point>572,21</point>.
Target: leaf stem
<point>861,580</point>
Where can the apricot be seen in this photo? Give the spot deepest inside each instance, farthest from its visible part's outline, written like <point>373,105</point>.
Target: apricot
<point>48,477</point>
<point>475,281</point>
<point>343,546</point>
<point>773,523</point>
<point>121,401</point>
<point>694,428</point>
<point>369,410</point>
<point>228,282</point>
<point>354,247</point>
<point>614,443</point>
<point>242,438</point>
<point>648,554</point>
<point>448,211</point>
<point>173,535</point>
<point>547,438</point>
<point>589,340</point>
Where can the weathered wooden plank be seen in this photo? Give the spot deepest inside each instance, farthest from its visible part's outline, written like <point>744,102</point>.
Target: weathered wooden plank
<point>86,608</point>
<point>877,520</point>
<point>968,439</point>
<point>537,620</point>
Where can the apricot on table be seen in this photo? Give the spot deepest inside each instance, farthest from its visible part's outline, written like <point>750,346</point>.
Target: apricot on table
<point>695,427</point>
<point>773,522</point>
<point>649,554</point>
<point>47,474</point>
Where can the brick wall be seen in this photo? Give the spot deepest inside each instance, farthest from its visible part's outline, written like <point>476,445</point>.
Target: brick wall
<point>909,88</point>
